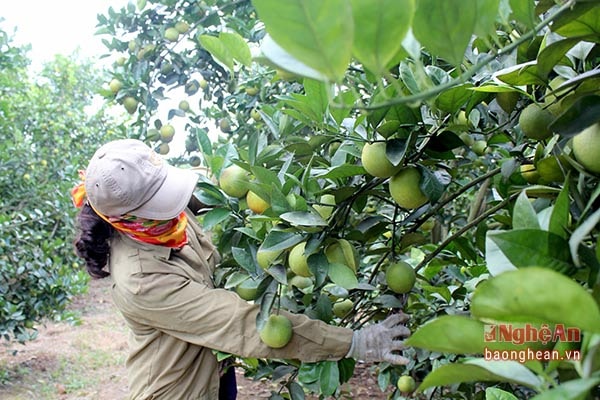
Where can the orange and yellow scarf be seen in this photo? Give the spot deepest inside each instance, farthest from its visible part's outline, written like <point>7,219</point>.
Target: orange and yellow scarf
<point>169,233</point>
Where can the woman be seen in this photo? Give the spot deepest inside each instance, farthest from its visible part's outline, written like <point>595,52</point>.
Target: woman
<point>135,225</point>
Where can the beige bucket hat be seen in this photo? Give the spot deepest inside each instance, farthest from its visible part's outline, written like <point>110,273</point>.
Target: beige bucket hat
<point>127,177</point>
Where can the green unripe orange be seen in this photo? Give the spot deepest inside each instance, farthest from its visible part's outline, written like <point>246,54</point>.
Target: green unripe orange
<point>342,308</point>
<point>298,261</point>
<point>406,384</point>
<point>233,179</point>
<point>184,105</point>
<point>130,104</point>
<point>251,90</point>
<point>534,121</point>
<point>115,85</point>
<point>342,252</point>
<point>255,115</point>
<point>182,26</point>
<point>375,161</point>
<point>256,203</point>
<point>248,289</point>
<point>265,258</point>
<point>405,190</point>
<point>479,147</point>
<point>277,331</point>
<point>164,149</point>
<point>171,34</point>
<point>301,282</point>
<point>586,148</point>
<point>166,133</point>
<point>507,100</point>
<point>225,125</point>
<point>400,277</point>
<point>323,209</point>
<point>529,173</point>
<point>195,161</point>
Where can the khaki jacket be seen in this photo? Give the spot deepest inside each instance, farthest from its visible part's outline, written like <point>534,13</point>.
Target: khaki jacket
<point>176,317</point>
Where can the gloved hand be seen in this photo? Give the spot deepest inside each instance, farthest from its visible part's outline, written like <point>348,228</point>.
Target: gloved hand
<point>378,342</point>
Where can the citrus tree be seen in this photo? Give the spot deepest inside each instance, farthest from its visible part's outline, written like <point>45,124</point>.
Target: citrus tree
<point>363,157</point>
<point>46,134</point>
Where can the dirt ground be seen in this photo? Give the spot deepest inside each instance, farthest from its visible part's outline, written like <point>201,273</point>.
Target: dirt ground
<point>86,360</point>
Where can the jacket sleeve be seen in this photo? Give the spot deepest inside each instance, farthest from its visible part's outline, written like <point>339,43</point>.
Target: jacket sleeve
<point>219,319</point>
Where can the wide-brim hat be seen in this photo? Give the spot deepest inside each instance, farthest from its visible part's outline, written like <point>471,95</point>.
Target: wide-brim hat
<point>127,177</point>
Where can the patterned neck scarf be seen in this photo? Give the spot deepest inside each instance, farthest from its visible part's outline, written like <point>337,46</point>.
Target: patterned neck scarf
<point>169,233</point>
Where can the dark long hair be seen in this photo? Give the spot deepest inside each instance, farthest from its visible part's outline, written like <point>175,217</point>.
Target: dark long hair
<point>93,241</point>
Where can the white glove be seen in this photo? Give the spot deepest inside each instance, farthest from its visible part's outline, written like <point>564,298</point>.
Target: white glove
<point>379,342</point>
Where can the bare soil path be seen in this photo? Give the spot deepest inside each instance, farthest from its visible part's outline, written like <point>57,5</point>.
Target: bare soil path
<point>86,361</point>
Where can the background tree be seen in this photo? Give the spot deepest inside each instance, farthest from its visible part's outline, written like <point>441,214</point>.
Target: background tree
<point>48,133</point>
<point>369,136</point>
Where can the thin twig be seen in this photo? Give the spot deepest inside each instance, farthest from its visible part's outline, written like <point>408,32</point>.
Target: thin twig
<point>464,229</point>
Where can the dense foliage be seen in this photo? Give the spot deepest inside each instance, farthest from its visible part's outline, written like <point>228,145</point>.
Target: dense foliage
<point>501,226</point>
<point>47,134</point>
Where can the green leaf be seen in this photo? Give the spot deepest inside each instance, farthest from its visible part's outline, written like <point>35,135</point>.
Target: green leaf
<point>524,216</point>
<point>586,21</point>
<point>343,276</point>
<point>498,394</point>
<point>346,368</point>
<point>445,27</point>
<point>329,377</point>
<point>266,176</point>
<point>215,217</point>
<point>449,334</point>
<point>524,12</point>
<point>581,233</point>
<point>296,391</point>
<point>522,295</point>
<point>303,218</point>
<point>583,113</point>
<point>513,370</point>
<point>486,17</point>
<point>347,98</point>
<point>457,373</point>
<point>521,75</point>
<point>281,240</point>
<point>278,272</point>
<point>244,259</point>
<point>308,373</point>
<point>381,26</point>
<point>395,150</point>
<point>433,184</point>
<point>529,247</point>
<point>570,390</point>
<point>209,194</point>
<point>440,291</point>
<point>203,141</point>
<point>248,232</point>
<point>408,78</point>
<point>452,99</point>
<point>237,47</point>
<point>553,53</point>
<point>319,33</point>
<point>317,94</point>
<point>217,49</point>
<point>274,54</point>
<point>559,219</point>
<point>343,171</point>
